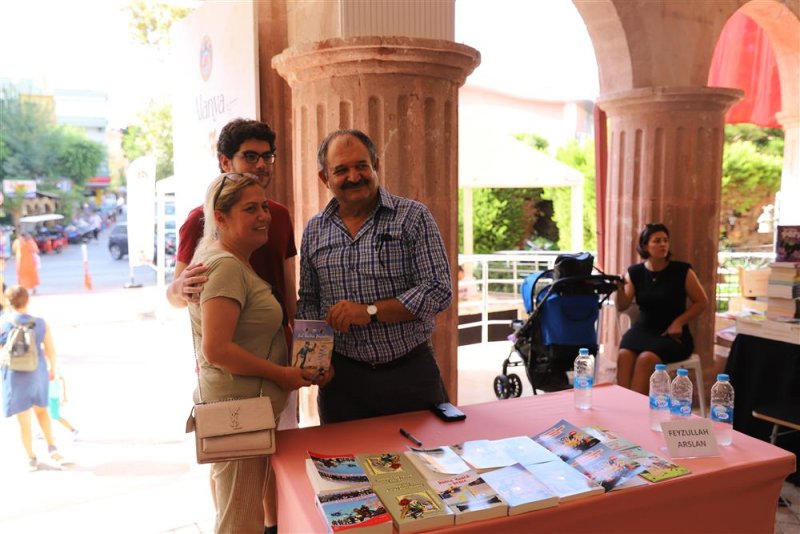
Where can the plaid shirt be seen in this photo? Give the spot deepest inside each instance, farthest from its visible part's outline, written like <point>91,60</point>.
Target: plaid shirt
<point>397,253</point>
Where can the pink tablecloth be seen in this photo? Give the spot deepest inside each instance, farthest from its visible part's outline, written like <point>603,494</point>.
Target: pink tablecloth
<point>735,492</point>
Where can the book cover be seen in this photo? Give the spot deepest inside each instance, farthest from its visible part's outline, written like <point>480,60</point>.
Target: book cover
<point>787,243</point>
<point>482,455</point>
<point>605,466</point>
<point>355,509</point>
<point>312,345</point>
<point>609,438</point>
<point>414,506</point>
<point>334,472</point>
<point>469,497</point>
<point>523,450</point>
<point>655,468</point>
<point>521,490</point>
<point>566,440</point>
<point>436,462</point>
<point>388,467</point>
<point>565,481</point>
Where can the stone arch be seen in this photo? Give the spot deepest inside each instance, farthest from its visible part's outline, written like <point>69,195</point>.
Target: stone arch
<point>782,25</point>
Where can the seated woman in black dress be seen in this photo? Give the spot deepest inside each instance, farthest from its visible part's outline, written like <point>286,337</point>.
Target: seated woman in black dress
<point>660,287</point>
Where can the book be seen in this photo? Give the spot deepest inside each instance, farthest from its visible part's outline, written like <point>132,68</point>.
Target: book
<point>436,462</point>
<point>610,439</point>
<point>564,480</point>
<point>334,472</point>
<point>605,466</point>
<point>566,440</point>
<point>413,505</point>
<point>787,243</point>
<point>482,455</point>
<point>520,489</point>
<point>312,345</point>
<point>357,509</point>
<point>469,497</point>
<point>524,450</point>
<point>655,468</point>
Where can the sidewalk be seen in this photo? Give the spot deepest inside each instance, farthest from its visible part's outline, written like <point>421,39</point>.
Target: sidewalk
<point>127,361</point>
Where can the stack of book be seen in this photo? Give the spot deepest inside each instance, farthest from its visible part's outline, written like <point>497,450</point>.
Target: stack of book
<point>423,489</point>
<point>786,330</point>
<point>783,288</point>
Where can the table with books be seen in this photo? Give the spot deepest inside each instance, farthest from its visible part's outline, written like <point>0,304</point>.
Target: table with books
<point>734,492</point>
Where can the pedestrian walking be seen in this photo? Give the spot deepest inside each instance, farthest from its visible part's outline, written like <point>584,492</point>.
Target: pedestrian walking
<point>26,252</point>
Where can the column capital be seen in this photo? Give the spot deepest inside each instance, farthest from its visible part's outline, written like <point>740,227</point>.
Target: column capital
<point>787,119</point>
<point>648,100</point>
<point>308,62</point>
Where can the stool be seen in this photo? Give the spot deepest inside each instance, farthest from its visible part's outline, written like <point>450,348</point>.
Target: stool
<point>693,363</point>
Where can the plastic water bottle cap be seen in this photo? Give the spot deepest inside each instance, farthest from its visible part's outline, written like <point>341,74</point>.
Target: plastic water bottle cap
<point>723,377</point>
<point>661,367</point>
<point>583,351</point>
<point>683,372</point>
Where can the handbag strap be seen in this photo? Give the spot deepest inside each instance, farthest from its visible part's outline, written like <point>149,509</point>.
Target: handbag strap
<point>197,363</point>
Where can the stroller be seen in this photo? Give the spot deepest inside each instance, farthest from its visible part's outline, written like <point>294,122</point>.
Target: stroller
<point>564,306</point>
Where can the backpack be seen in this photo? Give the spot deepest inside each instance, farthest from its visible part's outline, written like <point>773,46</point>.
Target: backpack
<point>20,350</point>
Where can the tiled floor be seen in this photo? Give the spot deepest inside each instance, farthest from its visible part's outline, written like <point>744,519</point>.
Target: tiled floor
<point>479,364</point>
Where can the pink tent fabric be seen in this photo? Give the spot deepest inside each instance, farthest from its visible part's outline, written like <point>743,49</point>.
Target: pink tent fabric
<point>744,59</point>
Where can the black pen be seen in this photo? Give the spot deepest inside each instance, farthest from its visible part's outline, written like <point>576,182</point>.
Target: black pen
<point>408,435</point>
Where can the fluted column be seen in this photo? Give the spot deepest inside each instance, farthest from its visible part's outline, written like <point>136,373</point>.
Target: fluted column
<point>665,165</point>
<point>403,92</point>
<point>790,178</point>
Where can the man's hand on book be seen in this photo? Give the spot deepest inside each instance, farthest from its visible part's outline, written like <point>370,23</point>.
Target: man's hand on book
<point>322,379</point>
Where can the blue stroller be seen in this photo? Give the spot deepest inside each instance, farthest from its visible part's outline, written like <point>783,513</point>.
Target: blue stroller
<point>564,306</point>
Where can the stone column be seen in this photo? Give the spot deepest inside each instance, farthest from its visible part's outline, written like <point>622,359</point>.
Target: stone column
<point>790,178</point>
<point>665,165</point>
<point>403,92</point>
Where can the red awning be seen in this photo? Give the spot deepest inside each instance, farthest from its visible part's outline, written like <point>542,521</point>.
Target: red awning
<point>744,59</point>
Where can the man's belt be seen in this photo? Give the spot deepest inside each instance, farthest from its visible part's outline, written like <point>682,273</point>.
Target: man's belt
<point>422,348</point>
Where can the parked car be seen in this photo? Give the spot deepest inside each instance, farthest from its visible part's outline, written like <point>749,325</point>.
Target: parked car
<point>118,242</point>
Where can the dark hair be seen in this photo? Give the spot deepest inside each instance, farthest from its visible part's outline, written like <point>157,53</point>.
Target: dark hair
<point>322,153</point>
<point>238,131</point>
<point>644,238</point>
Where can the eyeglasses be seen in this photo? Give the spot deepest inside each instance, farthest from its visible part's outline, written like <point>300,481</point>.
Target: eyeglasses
<point>225,177</point>
<point>252,156</point>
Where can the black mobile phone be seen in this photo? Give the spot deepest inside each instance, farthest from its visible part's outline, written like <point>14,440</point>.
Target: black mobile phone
<point>448,413</point>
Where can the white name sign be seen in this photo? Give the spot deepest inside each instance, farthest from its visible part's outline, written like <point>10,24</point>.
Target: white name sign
<point>693,437</point>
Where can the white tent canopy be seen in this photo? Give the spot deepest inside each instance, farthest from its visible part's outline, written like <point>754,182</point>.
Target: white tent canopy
<point>496,159</point>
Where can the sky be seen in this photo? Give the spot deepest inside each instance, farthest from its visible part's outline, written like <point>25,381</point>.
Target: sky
<point>533,48</point>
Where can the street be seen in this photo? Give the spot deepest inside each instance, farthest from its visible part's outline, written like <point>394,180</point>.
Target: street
<point>127,360</point>
<point>63,273</point>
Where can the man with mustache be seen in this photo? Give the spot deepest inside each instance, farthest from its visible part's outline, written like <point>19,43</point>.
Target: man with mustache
<point>374,267</point>
<point>247,146</point>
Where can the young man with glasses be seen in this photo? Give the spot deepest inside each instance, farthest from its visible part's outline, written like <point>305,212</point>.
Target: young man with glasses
<point>373,265</point>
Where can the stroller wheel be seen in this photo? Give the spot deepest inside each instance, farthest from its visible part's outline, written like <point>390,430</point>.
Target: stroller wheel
<point>514,385</point>
<point>501,389</point>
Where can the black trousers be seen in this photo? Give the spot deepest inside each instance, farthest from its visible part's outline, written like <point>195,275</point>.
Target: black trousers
<point>360,390</point>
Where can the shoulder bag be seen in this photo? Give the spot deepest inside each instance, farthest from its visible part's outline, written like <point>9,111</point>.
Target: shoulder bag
<point>230,430</point>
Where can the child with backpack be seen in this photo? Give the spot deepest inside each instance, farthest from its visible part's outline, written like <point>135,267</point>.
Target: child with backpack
<point>25,382</point>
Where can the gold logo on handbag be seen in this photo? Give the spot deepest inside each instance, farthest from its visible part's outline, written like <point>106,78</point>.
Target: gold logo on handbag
<point>234,413</point>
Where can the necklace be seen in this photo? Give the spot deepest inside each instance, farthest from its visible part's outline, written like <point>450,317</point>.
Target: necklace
<point>655,275</point>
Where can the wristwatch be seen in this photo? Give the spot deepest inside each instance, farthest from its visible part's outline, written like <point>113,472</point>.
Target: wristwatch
<point>372,310</point>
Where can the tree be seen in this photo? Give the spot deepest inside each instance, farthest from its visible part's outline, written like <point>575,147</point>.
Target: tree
<point>581,157</point>
<point>77,157</point>
<point>151,135</point>
<point>149,22</point>
<point>26,132</point>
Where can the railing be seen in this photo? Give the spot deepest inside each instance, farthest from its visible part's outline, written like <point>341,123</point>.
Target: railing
<point>495,280</point>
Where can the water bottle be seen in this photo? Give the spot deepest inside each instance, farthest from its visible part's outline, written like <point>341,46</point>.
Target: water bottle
<point>681,395</point>
<point>583,377</point>
<point>659,397</point>
<point>722,409</point>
